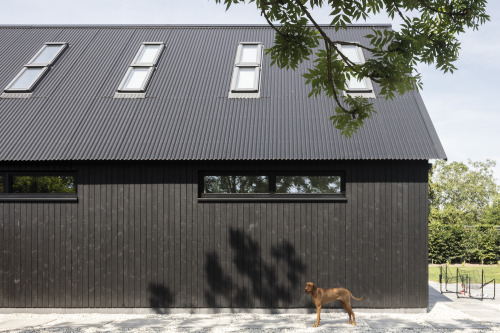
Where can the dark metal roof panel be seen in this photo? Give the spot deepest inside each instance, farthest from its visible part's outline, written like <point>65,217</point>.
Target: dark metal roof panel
<point>186,114</point>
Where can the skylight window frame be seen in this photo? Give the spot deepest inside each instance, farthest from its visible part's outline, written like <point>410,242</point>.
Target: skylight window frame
<point>239,52</point>
<point>144,83</point>
<point>33,84</point>
<point>134,65</point>
<point>135,62</point>
<point>238,64</point>
<point>44,66</point>
<point>31,63</point>
<point>256,80</point>
<point>368,90</point>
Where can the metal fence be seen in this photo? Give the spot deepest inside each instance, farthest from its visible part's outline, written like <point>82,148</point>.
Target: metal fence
<point>471,283</point>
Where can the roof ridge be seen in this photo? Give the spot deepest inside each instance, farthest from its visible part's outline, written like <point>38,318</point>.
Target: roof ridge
<point>222,26</point>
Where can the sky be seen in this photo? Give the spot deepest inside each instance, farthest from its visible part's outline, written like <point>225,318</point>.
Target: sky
<point>462,105</point>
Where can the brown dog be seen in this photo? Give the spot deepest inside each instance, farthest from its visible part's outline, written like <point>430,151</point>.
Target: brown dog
<point>322,296</point>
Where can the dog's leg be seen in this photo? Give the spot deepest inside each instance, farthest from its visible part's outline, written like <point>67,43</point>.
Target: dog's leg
<point>346,310</point>
<point>349,310</point>
<point>318,308</point>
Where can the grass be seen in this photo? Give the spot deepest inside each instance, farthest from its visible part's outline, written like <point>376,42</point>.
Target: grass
<point>490,271</point>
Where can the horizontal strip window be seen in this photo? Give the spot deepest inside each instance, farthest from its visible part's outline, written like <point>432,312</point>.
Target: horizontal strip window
<point>141,69</point>
<point>235,184</point>
<point>309,184</point>
<point>37,186</point>
<point>273,185</point>
<point>36,68</point>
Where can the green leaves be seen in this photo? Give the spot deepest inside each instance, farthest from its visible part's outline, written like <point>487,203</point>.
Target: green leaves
<point>445,242</point>
<point>293,45</point>
<point>318,78</point>
<point>462,190</point>
<point>479,244</point>
<point>428,34</point>
<point>350,123</point>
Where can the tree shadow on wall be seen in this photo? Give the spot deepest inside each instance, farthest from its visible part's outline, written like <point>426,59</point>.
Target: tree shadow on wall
<point>160,298</point>
<point>262,281</point>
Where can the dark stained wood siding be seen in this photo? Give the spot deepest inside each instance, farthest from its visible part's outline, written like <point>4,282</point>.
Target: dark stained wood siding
<point>139,237</point>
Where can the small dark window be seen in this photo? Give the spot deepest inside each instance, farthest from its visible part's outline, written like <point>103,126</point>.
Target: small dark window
<point>43,184</point>
<point>308,185</point>
<point>1,184</point>
<point>235,184</point>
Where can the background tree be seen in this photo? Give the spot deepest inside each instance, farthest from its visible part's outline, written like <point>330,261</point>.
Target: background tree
<point>43,184</point>
<point>428,34</point>
<point>464,212</point>
<point>308,184</point>
<point>460,193</point>
<point>492,212</point>
<point>236,184</point>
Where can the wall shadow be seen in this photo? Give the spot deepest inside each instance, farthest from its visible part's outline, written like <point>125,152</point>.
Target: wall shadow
<point>160,298</point>
<point>267,280</point>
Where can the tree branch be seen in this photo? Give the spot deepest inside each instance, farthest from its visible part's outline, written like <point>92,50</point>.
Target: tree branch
<point>400,13</point>
<point>330,80</point>
<point>271,24</point>
<point>450,13</point>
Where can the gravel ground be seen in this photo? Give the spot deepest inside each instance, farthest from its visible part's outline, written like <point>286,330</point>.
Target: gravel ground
<point>331,321</point>
<point>302,321</point>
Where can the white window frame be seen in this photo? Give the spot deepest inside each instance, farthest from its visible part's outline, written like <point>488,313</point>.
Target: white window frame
<point>256,80</point>
<point>147,64</point>
<point>44,66</point>
<point>257,65</point>
<point>144,83</point>
<point>151,66</point>
<point>62,47</point>
<point>30,87</point>
<point>239,51</point>
<point>365,92</point>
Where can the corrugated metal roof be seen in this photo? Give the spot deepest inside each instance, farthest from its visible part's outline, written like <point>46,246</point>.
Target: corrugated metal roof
<point>186,114</point>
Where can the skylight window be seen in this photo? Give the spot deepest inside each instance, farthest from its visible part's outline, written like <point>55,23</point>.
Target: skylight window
<point>34,70</point>
<point>148,54</point>
<point>249,54</point>
<point>139,73</point>
<point>246,71</point>
<point>351,52</point>
<point>47,54</point>
<point>136,79</point>
<point>355,86</point>
<point>27,78</point>
<point>247,77</point>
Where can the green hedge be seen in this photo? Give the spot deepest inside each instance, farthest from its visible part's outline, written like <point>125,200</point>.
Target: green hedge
<point>456,243</point>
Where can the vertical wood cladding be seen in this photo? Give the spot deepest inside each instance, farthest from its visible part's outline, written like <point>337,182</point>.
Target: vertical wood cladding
<point>139,237</point>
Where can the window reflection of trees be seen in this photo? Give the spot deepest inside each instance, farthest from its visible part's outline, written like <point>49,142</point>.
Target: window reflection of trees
<point>236,184</point>
<point>308,184</point>
<point>43,184</point>
<point>1,184</point>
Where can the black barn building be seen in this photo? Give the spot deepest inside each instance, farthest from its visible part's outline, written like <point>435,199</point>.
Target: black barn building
<point>173,167</point>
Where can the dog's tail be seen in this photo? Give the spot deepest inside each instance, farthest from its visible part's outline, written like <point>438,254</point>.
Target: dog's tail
<point>357,299</point>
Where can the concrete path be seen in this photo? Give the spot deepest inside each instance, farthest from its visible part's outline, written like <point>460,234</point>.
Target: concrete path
<point>446,313</point>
